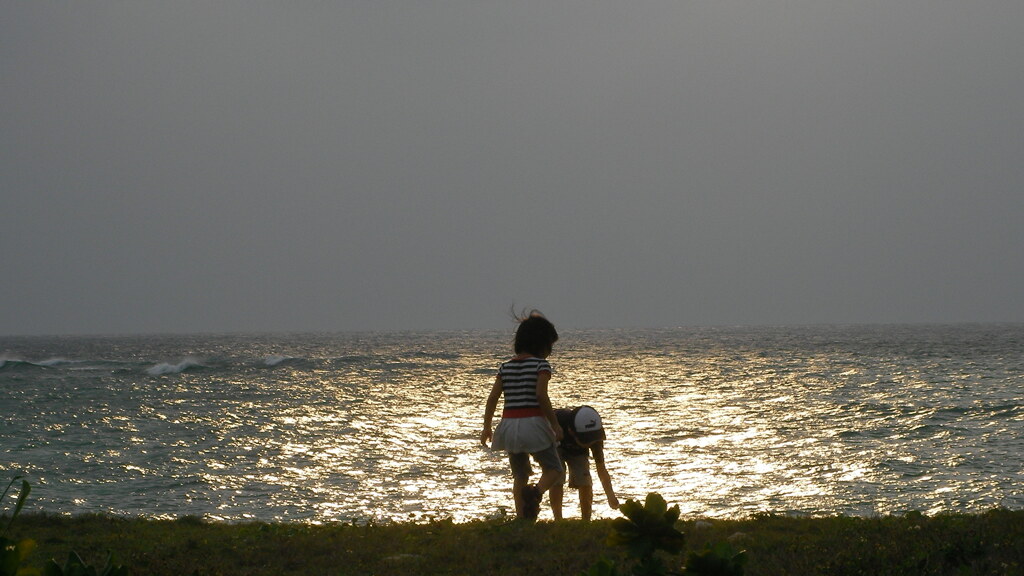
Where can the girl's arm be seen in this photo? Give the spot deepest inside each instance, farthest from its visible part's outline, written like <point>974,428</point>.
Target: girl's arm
<point>545,404</point>
<point>492,405</point>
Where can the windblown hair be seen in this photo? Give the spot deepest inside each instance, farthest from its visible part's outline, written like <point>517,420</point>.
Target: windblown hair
<point>536,334</point>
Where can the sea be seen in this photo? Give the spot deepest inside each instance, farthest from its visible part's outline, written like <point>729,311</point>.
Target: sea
<point>725,422</point>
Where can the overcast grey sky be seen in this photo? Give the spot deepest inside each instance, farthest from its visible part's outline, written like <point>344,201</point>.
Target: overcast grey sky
<point>250,166</point>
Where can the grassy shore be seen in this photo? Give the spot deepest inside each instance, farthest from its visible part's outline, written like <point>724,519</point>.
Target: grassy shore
<point>988,543</point>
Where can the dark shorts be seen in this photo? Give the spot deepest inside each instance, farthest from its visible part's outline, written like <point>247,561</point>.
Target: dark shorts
<point>547,458</point>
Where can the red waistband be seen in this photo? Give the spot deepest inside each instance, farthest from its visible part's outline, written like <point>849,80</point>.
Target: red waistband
<point>521,412</point>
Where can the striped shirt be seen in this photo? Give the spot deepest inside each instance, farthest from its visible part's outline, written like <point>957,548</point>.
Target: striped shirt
<point>519,381</point>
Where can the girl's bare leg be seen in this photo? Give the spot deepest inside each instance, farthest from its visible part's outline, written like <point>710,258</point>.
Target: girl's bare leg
<point>517,495</point>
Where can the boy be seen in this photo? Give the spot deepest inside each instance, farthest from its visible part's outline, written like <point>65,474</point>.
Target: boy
<point>582,435</point>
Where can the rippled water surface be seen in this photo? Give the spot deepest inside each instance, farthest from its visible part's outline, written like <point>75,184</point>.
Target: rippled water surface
<point>725,422</point>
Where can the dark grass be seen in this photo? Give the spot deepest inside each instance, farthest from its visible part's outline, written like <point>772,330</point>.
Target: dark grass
<point>986,543</point>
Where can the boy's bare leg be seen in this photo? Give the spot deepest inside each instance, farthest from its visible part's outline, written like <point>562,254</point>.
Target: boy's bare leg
<point>586,501</point>
<point>556,494</point>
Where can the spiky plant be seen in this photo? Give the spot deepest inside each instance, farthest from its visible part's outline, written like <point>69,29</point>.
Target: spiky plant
<point>645,530</point>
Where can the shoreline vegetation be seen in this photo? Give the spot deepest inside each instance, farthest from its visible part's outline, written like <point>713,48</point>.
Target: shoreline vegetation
<point>990,542</point>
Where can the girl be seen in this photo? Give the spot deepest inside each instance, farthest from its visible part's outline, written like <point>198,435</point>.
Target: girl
<point>528,426</point>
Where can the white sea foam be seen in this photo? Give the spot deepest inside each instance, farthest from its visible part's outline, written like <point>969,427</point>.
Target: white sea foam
<point>276,359</point>
<point>54,362</point>
<point>166,368</point>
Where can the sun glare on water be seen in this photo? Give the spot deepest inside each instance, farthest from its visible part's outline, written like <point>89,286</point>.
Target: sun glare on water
<point>723,423</point>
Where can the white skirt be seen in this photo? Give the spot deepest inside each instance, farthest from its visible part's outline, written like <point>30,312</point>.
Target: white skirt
<point>517,435</point>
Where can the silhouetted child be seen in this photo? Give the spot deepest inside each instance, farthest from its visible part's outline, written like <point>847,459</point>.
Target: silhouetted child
<point>582,434</point>
<point>528,426</point>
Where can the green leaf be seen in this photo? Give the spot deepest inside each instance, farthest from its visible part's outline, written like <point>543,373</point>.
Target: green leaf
<point>671,541</point>
<point>647,528</point>
<point>631,509</point>
<point>623,531</point>
<point>9,484</point>
<point>656,504</point>
<point>623,524</point>
<point>22,496</point>
<point>26,488</point>
<point>672,516</point>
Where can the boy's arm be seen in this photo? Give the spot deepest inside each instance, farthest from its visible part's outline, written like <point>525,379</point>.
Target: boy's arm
<point>492,405</point>
<point>545,403</point>
<point>606,479</point>
<point>606,483</point>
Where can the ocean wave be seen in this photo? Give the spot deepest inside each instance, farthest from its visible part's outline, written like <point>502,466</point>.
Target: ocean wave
<point>9,362</point>
<point>55,362</point>
<point>436,355</point>
<point>350,360</point>
<point>277,360</point>
<point>166,368</point>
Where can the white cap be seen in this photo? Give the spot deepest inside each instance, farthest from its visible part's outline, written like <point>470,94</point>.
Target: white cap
<point>586,422</point>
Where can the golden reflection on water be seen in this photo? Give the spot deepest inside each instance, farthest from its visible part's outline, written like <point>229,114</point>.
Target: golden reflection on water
<point>723,430</point>
<point>723,437</point>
